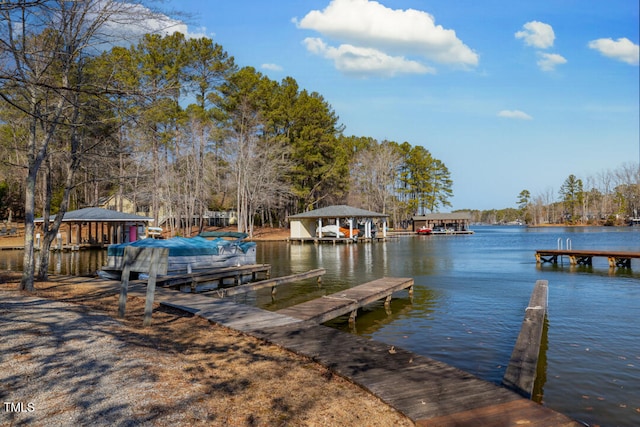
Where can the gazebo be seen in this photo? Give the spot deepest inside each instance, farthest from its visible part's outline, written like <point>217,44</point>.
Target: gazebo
<point>105,226</point>
<point>307,226</point>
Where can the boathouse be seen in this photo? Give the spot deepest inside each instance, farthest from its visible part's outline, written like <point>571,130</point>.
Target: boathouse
<point>457,222</point>
<point>308,226</point>
<point>102,226</point>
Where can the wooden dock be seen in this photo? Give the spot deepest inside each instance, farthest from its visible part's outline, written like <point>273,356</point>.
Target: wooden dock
<point>269,283</point>
<point>428,392</point>
<point>203,280</point>
<point>585,257</point>
<point>350,300</point>
<point>521,372</point>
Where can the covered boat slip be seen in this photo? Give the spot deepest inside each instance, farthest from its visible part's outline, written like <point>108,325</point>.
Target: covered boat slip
<point>358,225</point>
<point>100,226</point>
<point>444,223</point>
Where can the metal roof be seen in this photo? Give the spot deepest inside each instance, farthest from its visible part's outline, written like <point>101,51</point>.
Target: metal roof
<point>338,211</point>
<point>98,215</point>
<point>444,216</point>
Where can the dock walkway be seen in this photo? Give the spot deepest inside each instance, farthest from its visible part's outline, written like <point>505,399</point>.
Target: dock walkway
<point>585,257</point>
<point>429,392</point>
<point>203,280</point>
<point>350,300</point>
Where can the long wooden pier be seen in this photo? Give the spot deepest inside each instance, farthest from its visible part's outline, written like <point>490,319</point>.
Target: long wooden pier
<point>585,257</point>
<point>350,300</point>
<point>428,392</point>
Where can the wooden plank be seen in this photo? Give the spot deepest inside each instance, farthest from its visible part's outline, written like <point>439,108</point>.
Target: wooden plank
<point>273,283</point>
<point>520,374</point>
<point>205,276</point>
<point>427,391</point>
<point>598,253</point>
<point>141,259</point>
<point>514,413</point>
<point>159,257</point>
<point>331,306</point>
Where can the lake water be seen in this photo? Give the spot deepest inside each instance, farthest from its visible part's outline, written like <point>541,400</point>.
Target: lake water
<point>469,300</point>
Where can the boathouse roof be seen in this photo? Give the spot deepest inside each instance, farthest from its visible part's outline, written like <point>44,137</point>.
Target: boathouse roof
<point>338,211</point>
<point>444,216</point>
<point>98,215</point>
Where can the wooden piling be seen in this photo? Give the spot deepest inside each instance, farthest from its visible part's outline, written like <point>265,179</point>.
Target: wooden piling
<point>521,373</point>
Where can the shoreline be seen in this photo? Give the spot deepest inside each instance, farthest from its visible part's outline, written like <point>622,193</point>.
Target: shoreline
<point>76,361</point>
<point>267,234</point>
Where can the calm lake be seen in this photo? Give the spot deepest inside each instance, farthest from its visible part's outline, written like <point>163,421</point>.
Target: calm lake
<point>470,295</point>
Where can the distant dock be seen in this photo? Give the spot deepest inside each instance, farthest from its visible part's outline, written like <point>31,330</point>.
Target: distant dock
<point>585,257</point>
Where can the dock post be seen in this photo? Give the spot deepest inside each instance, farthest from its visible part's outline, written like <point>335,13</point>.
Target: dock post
<point>124,287</point>
<point>387,301</point>
<point>352,317</point>
<point>151,283</point>
<point>522,369</point>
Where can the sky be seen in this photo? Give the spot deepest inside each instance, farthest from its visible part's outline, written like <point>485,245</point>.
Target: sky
<point>509,95</point>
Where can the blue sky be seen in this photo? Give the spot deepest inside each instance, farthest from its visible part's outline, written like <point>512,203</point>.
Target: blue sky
<point>509,95</point>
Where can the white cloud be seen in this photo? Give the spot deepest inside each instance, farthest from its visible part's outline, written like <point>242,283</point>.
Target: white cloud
<point>368,26</point>
<point>622,49</point>
<point>514,114</point>
<point>362,61</point>
<point>549,61</point>
<point>537,34</point>
<point>131,21</point>
<point>272,67</point>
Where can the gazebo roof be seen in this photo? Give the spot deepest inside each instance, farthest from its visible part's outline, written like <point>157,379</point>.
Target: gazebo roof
<point>338,211</point>
<point>99,215</point>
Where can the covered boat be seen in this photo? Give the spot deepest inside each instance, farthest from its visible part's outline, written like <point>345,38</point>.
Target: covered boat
<point>186,254</point>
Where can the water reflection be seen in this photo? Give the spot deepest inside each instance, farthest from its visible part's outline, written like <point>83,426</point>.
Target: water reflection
<point>537,394</point>
<point>78,263</point>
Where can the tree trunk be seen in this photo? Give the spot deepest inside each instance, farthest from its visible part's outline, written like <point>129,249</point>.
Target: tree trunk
<point>28,269</point>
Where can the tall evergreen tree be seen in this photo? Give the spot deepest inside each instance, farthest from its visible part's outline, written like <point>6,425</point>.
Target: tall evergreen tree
<point>572,196</point>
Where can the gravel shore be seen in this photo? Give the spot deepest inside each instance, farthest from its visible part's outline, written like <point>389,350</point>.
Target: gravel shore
<point>65,360</point>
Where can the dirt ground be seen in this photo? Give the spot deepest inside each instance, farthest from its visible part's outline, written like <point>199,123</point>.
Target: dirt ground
<point>195,373</point>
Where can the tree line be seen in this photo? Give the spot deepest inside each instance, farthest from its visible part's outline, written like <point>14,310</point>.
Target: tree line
<point>610,197</point>
<point>176,126</point>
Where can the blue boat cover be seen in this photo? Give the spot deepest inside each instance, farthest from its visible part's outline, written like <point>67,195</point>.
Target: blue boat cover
<point>182,246</point>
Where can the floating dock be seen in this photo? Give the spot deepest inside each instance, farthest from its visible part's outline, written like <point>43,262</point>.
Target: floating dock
<point>350,300</point>
<point>585,257</point>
